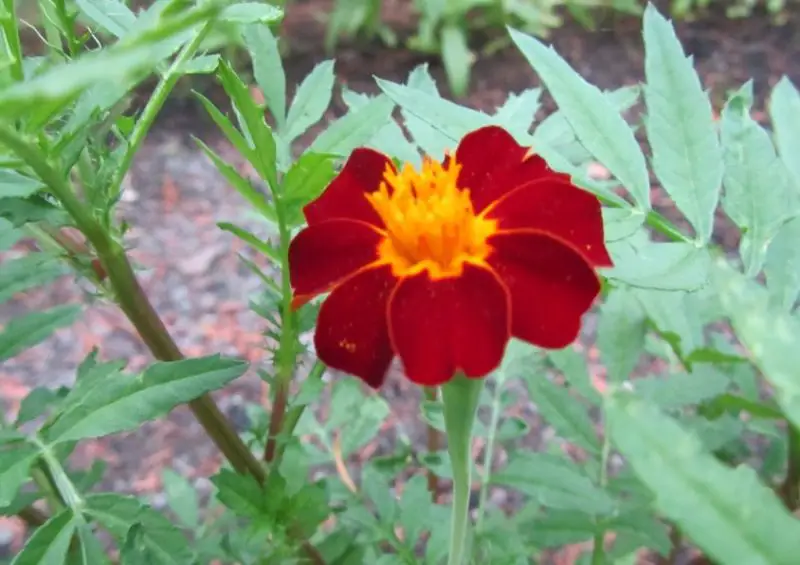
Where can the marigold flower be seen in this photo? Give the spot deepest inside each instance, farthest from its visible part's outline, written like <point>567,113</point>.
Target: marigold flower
<point>442,266</point>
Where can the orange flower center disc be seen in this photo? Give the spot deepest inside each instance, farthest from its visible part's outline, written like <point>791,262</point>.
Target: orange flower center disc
<point>430,222</point>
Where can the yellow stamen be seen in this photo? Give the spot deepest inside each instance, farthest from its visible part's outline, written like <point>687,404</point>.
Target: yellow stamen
<point>430,221</point>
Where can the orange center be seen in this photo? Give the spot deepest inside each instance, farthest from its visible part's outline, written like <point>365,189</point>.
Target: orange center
<point>430,221</point>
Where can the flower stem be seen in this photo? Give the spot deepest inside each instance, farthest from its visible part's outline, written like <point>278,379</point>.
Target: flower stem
<point>460,397</point>
<point>790,489</point>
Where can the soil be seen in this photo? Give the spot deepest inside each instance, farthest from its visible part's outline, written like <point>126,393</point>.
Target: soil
<point>190,268</point>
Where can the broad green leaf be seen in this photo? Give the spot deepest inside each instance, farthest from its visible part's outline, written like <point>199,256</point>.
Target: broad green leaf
<point>782,265</point>
<point>672,315</point>
<point>251,13</point>
<point>28,330</point>
<point>447,118</point>
<point>596,123</point>
<point>554,481</point>
<point>13,183</point>
<point>757,192</point>
<point>680,126</point>
<point>430,140</point>
<point>31,270</point>
<point>312,98</point>
<point>415,506</point>
<point>304,182</point>
<point>268,69</point>
<point>641,263</point>
<point>727,512</point>
<point>15,463</point>
<point>118,513</point>
<point>620,334</point>
<point>373,485</point>
<point>241,493</point>
<point>356,415</point>
<point>518,112</point>
<point>90,550</point>
<point>784,109</point>
<point>457,58</point>
<point>49,544</point>
<point>354,129</point>
<point>111,15</point>
<point>573,366</point>
<point>558,528</point>
<point>35,403</point>
<point>568,416</point>
<point>181,498</point>
<point>672,392</point>
<point>9,235</point>
<point>126,402</point>
<point>769,334</point>
<point>647,530</point>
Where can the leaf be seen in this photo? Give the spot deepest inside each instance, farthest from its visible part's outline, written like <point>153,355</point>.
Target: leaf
<point>782,265</point>
<point>675,320</point>
<point>202,65</point>
<point>268,69</point>
<point>415,507</point>
<point>659,266</point>
<point>620,334</point>
<point>31,329</point>
<point>91,551</point>
<point>561,527</point>
<point>553,481</point>
<point>374,486</point>
<point>126,402</point>
<point>305,181</point>
<point>784,109</point>
<point>35,404</point>
<point>596,123</point>
<point>518,111</point>
<point>15,462</point>
<point>568,416</point>
<point>680,126</point>
<point>111,15</point>
<point>118,513</point>
<point>728,513</point>
<point>251,13</point>
<point>49,544</point>
<point>768,333</point>
<point>241,493</point>
<point>31,270</point>
<point>573,366</point>
<point>457,58</point>
<point>181,498</point>
<point>14,184</point>
<point>312,98</point>
<point>356,415</point>
<point>354,129</point>
<point>757,194</point>
<point>683,389</point>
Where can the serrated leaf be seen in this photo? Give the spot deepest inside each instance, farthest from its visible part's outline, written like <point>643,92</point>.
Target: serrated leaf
<point>354,129</point>
<point>680,126</point>
<point>673,317</point>
<point>165,543</point>
<point>568,416</point>
<point>111,15</point>
<point>356,415</point>
<point>29,330</point>
<point>457,58</point>
<point>15,184</point>
<point>784,109</point>
<point>415,505</point>
<point>620,334</point>
<point>35,403</point>
<point>728,513</point>
<point>553,481</point>
<point>676,391</point>
<point>181,498</point>
<point>31,270</point>
<point>15,462</point>
<point>268,69</point>
<point>240,493</point>
<point>202,65</point>
<point>49,543</point>
<point>660,266</point>
<point>757,193</point>
<point>251,13</point>
<point>561,527</point>
<point>596,123</point>
<point>312,98</point>
<point>126,402</point>
<point>305,181</point>
<point>573,366</point>
<point>375,486</point>
<point>518,111</point>
<point>782,265</point>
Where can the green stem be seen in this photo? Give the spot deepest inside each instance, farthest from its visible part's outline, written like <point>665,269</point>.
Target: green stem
<point>488,455</point>
<point>10,39</point>
<point>294,413</point>
<point>598,551</point>
<point>154,105</point>
<point>460,397</point>
<point>790,489</point>
<point>46,487</point>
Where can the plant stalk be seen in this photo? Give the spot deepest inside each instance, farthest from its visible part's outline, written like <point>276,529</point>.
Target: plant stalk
<point>790,489</point>
<point>460,397</point>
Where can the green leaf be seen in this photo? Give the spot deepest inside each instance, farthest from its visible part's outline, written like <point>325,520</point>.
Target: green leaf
<point>568,416</point>
<point>126,402</point>
<point>164,543</point>
<point>251,13</point>
<point>596,123</point>
<point>518,112</point>
<point>14,184</point>
<point>31,270</point>
<point>553,481</point>
<point>681,390</point>
<point>305,181</point>
<point>312,98</point>
<point>90,551</point>
<point>415,507</point>
<point>181,498</point>
<point>573,366</point>
<point>647,530</point>
<point>268,69</point>
<point>784,109</point>
<point>680,126</point>
<point>641,263</point>
<point>457,58</point>
<point>15,462</point>
<point>240,493</point>
<point>202,65</point>
<point>111,15</point>
<point>28,330</point>
<point>672,315</point>
<point>376,488</point>
<point>782,265</point>
<point>757,193</point>
<point>735,404</point>
<point>354,129</point>
<point>561,527</point>
<point>35,404</point>
<point>768,333</point>
<point>49,544</point>
<point>620,334</point>
<point>728,513</point>
<point>356,415</point>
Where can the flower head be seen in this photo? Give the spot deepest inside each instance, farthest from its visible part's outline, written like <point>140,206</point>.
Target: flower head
<point>442,266</point>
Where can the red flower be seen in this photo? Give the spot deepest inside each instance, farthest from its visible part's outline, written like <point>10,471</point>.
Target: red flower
<point>442,266</point>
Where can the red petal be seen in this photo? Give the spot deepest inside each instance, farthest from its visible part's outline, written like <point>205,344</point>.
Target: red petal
<point>441,326</point>
<point>352,335</point>
<point>551,286</point>
<point>323,254</point>
<point>493,163</point>
<point>556,206</point>
<point>344,196</point>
